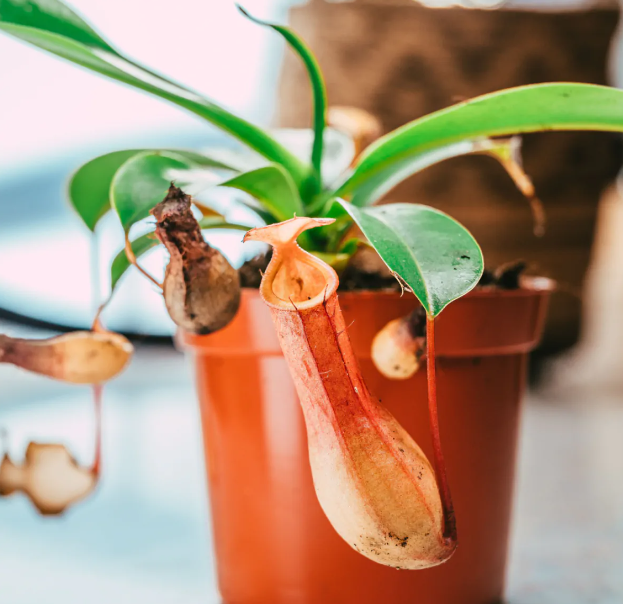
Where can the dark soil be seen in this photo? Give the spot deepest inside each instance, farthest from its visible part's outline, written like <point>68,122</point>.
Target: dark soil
<point>505,276</point>
<point>365,273</point>
<point>252,270</point>
<point>417,323</point>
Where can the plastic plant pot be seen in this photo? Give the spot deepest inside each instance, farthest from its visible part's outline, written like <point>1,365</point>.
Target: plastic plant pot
<point>272,542</point>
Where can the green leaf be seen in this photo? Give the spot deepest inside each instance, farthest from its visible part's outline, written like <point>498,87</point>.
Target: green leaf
<point>140,184</point>
<point>336,261</point>
<point>258,208</point>
<point>212,222</point>
<point>319,89</point>
<point>50,25</point>
<point>143,180</point>
<point>504,150</point>
<point>330,237</point>
<point>273,187</point>
<point>340,259</point>
<point>525,109</point>
<point>436,257</point>
<point>89,187</point>
<point>52,16</point>
<point>351,245</point>
<point>373,189</point>
<point>141,245</point>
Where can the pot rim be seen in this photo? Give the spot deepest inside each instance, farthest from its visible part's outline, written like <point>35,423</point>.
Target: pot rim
<point>529,286</point>
<point>482,317</point>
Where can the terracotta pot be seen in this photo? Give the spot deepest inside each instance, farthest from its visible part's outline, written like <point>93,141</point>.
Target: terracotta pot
<point>273,543</point>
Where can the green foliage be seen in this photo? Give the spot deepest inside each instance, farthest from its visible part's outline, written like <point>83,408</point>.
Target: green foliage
<point>89,187</point>
<point>143,180</point>
<point>433,255</point>
<point>54,17</point>
<point>273,187</point>
<point>52,26</point>
<point>339,260</point>
<point>427,250</point>
<point>316,79</point>
<point>558,106</point>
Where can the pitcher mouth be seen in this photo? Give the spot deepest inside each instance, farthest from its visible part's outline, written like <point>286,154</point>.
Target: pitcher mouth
<point>304,284</point>
<point>294,279</point>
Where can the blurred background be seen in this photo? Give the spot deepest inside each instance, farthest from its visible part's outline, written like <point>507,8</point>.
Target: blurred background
<point>143,534</point>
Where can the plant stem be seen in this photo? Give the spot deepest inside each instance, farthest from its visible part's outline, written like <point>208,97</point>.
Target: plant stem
<point>129,252</point>
<point>440,464</point>
<point>97,405</point>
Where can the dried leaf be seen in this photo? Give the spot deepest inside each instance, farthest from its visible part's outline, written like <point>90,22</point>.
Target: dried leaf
<point>201,289</point>
<point>50,477</point>
<point>80,357</point>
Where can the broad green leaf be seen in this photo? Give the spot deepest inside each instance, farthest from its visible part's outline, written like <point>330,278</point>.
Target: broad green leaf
<point>141,245</point>
<point>273,187</point>
<point>52,16</point>
<point>259,209</point>
<point>89,187</point>
<point>351,246</point>
<point>140,184</point>
<point>373,189</point>
<point>330,237</point>
<point>339,260</point>
<point>143,180</point>
<point>50,25</point>
<point>316,79</point>
<point>504,150</point>
<point>212,222</point>
<point>436,257</point>
<point>532,108</point>
<point>336,261</point>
